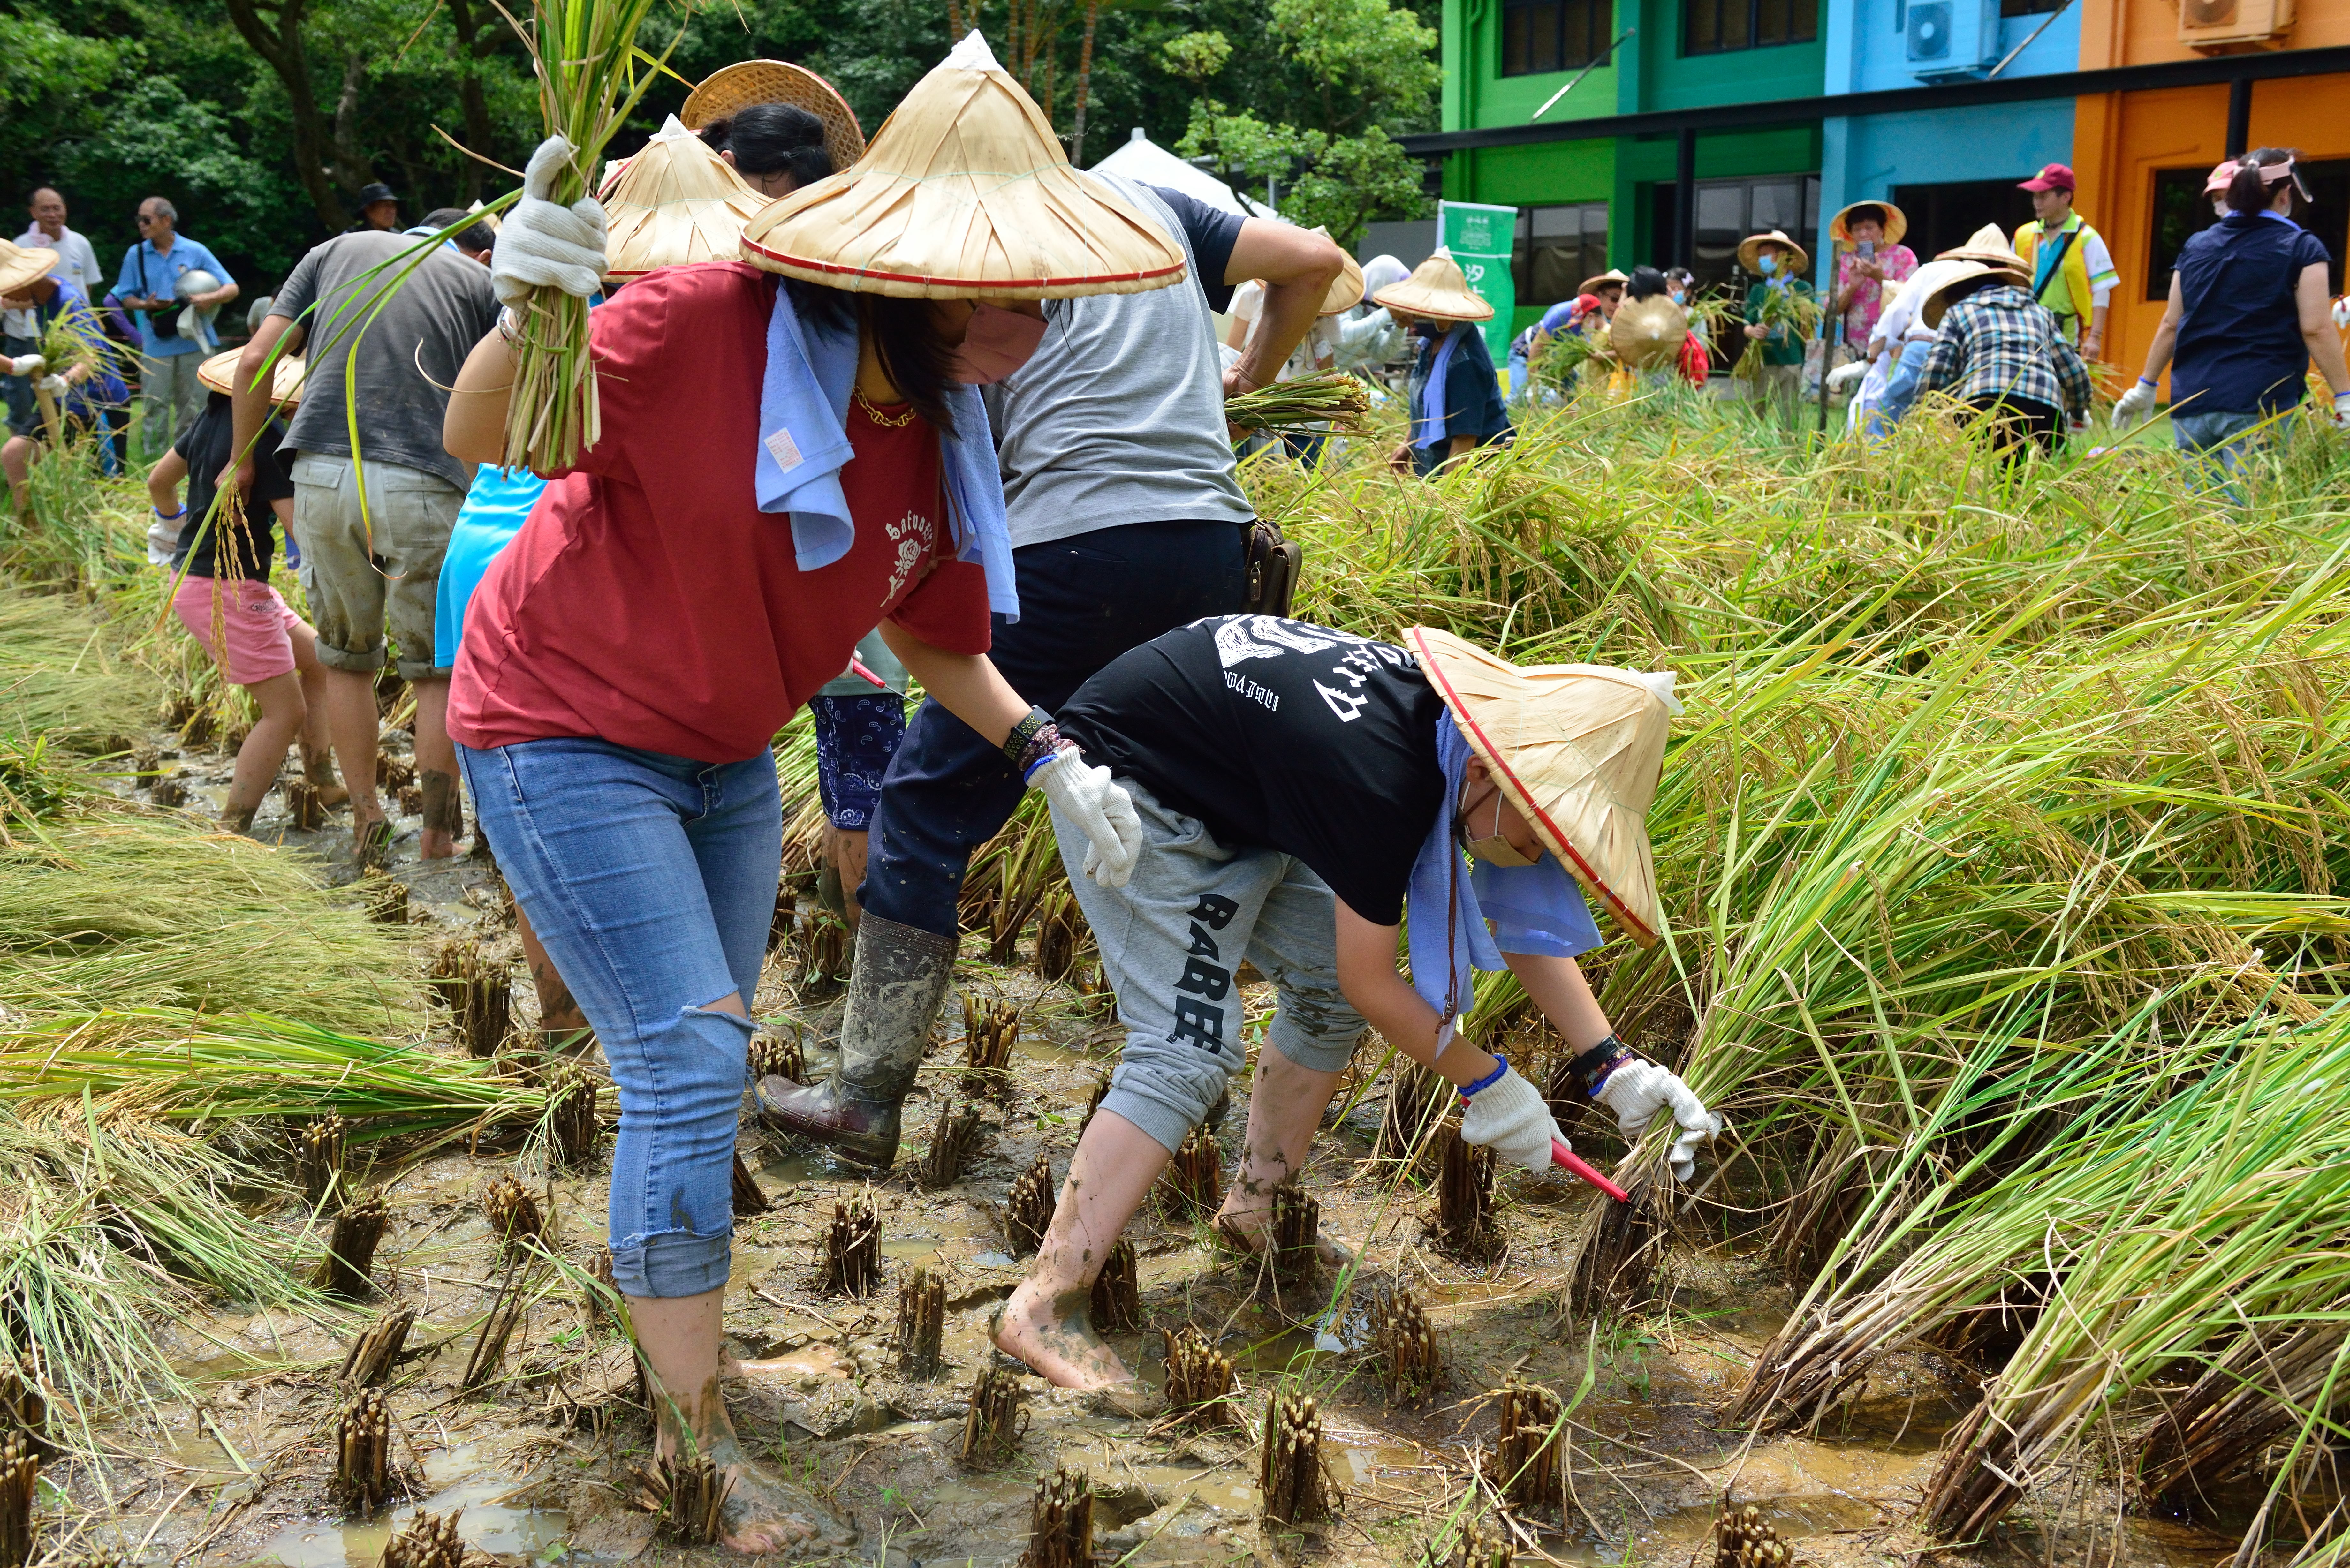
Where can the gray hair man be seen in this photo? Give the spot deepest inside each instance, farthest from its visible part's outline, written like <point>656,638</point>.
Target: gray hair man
<point>150,285</point>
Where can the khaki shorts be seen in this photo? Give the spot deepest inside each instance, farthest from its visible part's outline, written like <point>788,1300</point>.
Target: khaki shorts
<point>366,574</point>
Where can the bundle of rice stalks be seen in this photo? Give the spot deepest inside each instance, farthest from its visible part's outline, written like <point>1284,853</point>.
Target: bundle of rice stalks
<point>1333,400</point>
<point>67,675</point>
<point>112,905</point>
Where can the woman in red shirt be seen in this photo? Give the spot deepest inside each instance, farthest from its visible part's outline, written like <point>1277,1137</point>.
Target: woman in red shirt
<point>783,463</point>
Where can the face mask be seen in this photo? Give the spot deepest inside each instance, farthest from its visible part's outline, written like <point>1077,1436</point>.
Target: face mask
<point>1495,849</point>
<point>997,342</point>
<point>1768,264</point>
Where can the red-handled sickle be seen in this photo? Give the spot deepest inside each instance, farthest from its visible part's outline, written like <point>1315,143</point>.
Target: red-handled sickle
<point>1575,1165</point>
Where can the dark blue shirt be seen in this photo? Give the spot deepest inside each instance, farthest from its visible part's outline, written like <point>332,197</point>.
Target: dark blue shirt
<point>2240,345</point>
<point>1472,395</point>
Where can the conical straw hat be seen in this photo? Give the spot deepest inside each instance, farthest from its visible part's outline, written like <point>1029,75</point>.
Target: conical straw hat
<point>966,191</point>
<point>219,374</point>
<point>1437,290</point>
<point>748,82</point>
<point>1612,277</point>
<point>1987,245</point>
<point>1648,332</point>
<point>22,265</point>
<point>674,203</point>
<point>1750,250</point>
<point>1347,288</point>
<point>1896,223</point>
<point>1579,748</point>
<point>1937,305</point>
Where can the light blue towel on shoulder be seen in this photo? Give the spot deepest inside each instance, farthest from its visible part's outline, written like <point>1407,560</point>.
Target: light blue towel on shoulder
<point>804,445</point>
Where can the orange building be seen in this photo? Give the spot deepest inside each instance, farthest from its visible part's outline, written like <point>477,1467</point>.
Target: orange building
<point>2142,157</point>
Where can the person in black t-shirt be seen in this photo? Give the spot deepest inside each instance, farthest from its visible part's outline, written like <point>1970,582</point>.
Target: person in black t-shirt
<point>226,600</point>
<point>1300,789</point>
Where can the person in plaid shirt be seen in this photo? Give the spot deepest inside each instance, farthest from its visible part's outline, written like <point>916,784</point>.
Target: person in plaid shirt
<point>2001,352</point>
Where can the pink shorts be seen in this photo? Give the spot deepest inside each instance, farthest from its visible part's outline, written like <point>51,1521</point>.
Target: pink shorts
<point>255,617</point>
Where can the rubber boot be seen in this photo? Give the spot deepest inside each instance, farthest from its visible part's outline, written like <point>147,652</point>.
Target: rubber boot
<point>895,987</point>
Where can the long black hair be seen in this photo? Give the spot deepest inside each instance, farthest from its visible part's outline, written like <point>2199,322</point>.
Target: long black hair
<point>904,334</point>
<point>772,139</point>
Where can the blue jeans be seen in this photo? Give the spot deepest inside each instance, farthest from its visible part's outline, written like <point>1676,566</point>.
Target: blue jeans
<point>1901,389</point>
<point>651,880</point>
<point>2219,440</point>
<point>1083,601</point>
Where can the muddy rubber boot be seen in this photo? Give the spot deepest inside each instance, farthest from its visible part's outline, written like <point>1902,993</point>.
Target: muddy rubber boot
<point>895,987</point>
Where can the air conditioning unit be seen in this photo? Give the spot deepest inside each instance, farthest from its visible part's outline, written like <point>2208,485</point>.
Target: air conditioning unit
<point>2205,23</point>
<point>1953,40</point>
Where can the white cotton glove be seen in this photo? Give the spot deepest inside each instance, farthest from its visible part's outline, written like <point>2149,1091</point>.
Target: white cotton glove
<point>545,244</point>
<point>164,537</point>
<point>1845,375</point>
<point>55,386</point>
<point>1637,1091</point>
<point>1510,1117</point>
<point>2342,410</point>
<point>2132,406</point>
<point>27,364</point>
<point>1099,805</point>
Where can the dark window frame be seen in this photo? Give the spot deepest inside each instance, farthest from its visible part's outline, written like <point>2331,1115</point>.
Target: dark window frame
<point>1579,36</point>
<point>1706,25</point>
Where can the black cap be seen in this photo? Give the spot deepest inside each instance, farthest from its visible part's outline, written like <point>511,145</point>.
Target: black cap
<point>374,192</point>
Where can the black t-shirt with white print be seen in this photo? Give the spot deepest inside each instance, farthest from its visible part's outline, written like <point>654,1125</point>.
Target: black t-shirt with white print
<point>1279,734</point>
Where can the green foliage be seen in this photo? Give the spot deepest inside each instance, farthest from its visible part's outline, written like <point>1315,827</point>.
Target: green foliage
<point>1371,63</point>
<point>1196,56</point>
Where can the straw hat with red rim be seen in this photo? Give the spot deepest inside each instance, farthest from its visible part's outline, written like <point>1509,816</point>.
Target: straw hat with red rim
<point>748,82</point>
<point>674,203</point>
<point>1750,250</point>
<point>966,191</point>
<point>1579,750</point>
<point>1611,279</point>
<point>23,265</point>
<point>1437,290</point>
<point>218,374</point>
<point>1896,223</point>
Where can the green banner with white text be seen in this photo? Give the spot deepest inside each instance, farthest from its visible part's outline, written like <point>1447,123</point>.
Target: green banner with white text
<point>1481,238</point>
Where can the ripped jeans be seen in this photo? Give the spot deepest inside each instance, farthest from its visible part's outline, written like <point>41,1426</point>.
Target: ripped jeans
<point>1172,943</point>
<point>652,881</point>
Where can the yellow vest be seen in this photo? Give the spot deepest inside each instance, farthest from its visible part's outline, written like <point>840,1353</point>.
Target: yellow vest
<point>2071,304</point>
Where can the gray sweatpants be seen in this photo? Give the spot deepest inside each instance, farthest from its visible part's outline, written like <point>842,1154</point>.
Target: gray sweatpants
<point>1172,938</point>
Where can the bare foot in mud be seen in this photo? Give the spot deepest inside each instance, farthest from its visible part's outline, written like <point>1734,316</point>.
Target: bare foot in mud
<point>1249,1228</point>
<point>764,1514</point>
<point>1054,1336</point>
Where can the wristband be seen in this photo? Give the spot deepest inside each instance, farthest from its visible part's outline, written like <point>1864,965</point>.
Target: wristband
<point>1501,1070</point>
<point>1015,744</point>
<point>1029,772</point>
<point>1592,1066</point>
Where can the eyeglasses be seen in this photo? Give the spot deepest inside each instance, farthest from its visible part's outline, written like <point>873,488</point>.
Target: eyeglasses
<point>145,218</point>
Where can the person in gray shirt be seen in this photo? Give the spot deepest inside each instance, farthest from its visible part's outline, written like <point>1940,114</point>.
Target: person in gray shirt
<point>373,519</point>
<point>1127,521</point>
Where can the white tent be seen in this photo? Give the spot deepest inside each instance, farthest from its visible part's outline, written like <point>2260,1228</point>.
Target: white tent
<point>1141,158</point>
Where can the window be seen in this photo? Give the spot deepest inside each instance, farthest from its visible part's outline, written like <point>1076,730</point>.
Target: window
<point>2031,7</point>
<point>1729,210</point>
<point>1558,247</point>
<point>2180,211</point>
<point>1717,27</point>
<point>1540,35</point>
<point>1947,213</point>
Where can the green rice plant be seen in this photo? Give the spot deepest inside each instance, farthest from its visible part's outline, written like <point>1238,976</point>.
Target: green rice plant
<point>198,1070</point>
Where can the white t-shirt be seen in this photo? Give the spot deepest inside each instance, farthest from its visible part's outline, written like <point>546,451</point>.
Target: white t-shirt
<point>1316,351</point>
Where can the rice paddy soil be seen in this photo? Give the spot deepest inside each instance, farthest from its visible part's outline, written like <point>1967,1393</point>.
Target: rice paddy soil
<point>540,1464</point>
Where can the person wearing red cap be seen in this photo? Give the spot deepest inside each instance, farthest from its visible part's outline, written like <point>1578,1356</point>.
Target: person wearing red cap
<point>2073,272</point>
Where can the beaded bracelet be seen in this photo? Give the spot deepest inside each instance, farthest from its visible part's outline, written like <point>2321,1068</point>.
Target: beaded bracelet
<point>1015,744</point>
<point>1592,1066</point>
<point>1047,745</point>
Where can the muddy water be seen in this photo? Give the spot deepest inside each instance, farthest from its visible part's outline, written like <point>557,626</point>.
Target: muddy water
<point>539,1465</point>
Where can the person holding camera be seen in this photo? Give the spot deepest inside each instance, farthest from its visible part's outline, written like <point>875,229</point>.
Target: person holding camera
<point>1868,254</point>
<point>149,288</point>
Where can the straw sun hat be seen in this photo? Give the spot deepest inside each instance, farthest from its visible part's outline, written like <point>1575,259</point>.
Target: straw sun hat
<point>218,374</point>
<point>1347,288</point>
<point>23,265</point>
<point>1611,279</point>
<point>1436,290</point>
<point>1648,333</point>
<point>1937,304</point>
<point>777,81</point>
<point>1750,250</point>
<point>674,203</point>
<point>1578,748</point>
<point>1895,223</point>
<point>966,191</point>
<point>1987,245</point>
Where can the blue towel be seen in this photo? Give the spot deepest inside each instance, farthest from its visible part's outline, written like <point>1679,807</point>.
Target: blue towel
<point>804,445</point>
<point>1536,909</point>
<point>1429,419</point>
